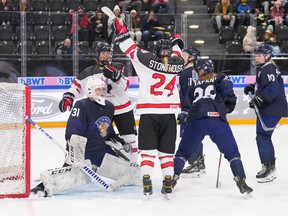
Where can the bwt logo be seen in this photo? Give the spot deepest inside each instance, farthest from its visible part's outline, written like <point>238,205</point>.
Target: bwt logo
<point>36,81</point>
<point>44,107</point>
<point>65,80</point>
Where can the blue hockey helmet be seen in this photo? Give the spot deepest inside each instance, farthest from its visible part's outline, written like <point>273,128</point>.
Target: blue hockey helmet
<point>264,49</point>
<point>204,64</point>
<point>163,48</point>
<point>192,51</point>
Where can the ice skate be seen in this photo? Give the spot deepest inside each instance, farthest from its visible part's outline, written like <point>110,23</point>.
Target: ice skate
<point>267,174</point>
<point>147,185</point>
<point>167,187</point>
<point>39,190</point>
<point>243,187</point>
<point>174,180</point>
<point>194,170</point>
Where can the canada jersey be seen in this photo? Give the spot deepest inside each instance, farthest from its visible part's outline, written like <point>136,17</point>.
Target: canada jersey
<point>158,93</point>
<point>117,93</point>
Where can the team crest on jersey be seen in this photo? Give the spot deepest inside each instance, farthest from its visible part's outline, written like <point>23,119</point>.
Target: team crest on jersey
<point>103,125</point>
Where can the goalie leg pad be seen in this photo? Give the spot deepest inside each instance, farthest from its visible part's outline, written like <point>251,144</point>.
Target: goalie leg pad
<point>76,153</point>
<point>113,167</point>
<point>61,179</point>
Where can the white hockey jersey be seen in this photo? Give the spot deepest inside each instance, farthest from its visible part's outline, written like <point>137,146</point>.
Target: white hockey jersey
<point>158,92</point>
<point>117,93</point>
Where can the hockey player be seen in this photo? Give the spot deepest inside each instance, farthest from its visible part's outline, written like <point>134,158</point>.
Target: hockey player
<point>117,86</point>
<point>211,98</point>
<point>269,97</point>
<point>89,133</point>
<point>158,101</point>
<point>191,54</point>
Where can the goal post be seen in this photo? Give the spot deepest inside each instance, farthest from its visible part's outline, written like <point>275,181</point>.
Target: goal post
<point>15,131</point>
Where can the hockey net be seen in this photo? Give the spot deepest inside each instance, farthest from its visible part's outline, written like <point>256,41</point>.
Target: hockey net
<point>15,102</point>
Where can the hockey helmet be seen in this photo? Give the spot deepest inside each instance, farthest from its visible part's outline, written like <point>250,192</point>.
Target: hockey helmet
<point>192,51</point>
<point>92,84</point>
<point>163,48</point>
<point>102,47</point>
<point>264,49</point>
<point>204,64</point>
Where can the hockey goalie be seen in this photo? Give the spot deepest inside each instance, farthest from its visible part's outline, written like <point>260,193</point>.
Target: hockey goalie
<point>91,141</point>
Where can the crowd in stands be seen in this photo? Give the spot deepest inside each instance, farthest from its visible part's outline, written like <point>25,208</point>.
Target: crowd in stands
<point>46,22</point>
<point>262,20</point>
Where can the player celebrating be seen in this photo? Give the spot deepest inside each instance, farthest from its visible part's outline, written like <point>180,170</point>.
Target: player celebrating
<point>270,99</point>
<point>211,98</point>
<point>196,161</point>
<point>88,128</point>
<point>117,86</point>
<point>158,101</point>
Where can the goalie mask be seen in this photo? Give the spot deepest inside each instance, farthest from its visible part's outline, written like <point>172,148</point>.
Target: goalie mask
<point>204,66</point>
<point>163,48</point>
<point>95,89</point>
<point>102,47</point>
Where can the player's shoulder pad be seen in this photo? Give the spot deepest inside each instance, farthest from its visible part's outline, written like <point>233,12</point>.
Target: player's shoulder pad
<point>222,76</point>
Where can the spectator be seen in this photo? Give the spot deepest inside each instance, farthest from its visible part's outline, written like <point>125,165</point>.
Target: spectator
<point>162,6</point>
<point>135,31</point>
<point>273,41</point>
<point>5,15</point>
<point>83,23</point>
<point>119,16</point>
<point>224,12</point>
<point>97,28</point>
<point>265,4</point>
<point>146,6</point>
<point>277,14</point>
<point>64,50</point>
<point>130,3</point>
<point>243,11</point>
<point>250,41</point>
<point>148,26</point>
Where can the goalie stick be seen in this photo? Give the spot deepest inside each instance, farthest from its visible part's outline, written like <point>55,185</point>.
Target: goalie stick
<point>265,128</point>
<point>85,168</point>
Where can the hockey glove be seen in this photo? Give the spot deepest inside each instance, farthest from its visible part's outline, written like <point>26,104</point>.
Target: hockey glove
<point>230,106</point>
<point>121,32</point>
<point>249,88</point>
<point>112,73</point>
<point>120,147</point>
<point>256,101</point>
<point>67,102</point>
<point>177,39</point>
<point>182,117</point>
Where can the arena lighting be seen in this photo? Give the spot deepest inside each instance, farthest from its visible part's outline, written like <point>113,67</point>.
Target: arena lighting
<point>204,57</point>
<point>199,41</point>
<point>194,26</point>
<point>188,12</point>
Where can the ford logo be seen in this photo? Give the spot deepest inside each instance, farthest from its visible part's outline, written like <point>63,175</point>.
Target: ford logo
<point>43,107</point>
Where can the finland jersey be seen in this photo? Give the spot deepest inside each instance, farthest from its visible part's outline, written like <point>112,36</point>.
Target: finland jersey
<point>93,121</point>
<point>117,93</point>
<point>158,93</point>
<point>208,96</point>
<point>270,85</point>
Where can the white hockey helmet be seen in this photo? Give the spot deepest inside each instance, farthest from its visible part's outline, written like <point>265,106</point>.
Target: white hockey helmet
<point>94,83</point>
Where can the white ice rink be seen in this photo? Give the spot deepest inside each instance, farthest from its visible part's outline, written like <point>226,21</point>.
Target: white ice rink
<point>191,197</point>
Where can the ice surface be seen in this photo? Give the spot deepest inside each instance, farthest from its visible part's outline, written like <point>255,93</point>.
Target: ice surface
<point>193,197</point>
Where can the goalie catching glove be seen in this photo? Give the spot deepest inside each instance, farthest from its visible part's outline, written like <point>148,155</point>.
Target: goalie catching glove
<point>112,73</point>
<point>121,32</point>
<point>120,146</point>
<point>67,102</point>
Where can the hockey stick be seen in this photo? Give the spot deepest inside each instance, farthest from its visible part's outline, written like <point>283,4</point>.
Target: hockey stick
<point>85,168</point>
<point>218,183</point>
<point>265,128</point>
